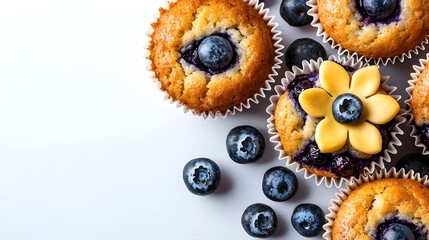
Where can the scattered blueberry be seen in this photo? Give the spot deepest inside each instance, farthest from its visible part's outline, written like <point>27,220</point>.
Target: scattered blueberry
<point>279,184</point>
<point>424,133</point>
<point>347,108</point>
<point>379,9</point>
<point>308,219</point>
<point>201,176</point>
<point>215,52</point>
<point>245,144</point>
<point>414,161</point>
<point>397,231</point>
<point>294,12</point>
<point>259,220</point>
<point>304,49</point>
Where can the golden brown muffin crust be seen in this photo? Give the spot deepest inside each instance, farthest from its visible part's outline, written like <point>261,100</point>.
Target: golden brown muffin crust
<point>420,98</point>
<point>189,20</point>
<point>342,23</point>
<point>370,203</point>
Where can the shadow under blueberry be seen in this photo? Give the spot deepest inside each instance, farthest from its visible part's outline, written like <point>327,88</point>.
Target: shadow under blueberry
<point>225,184</point>
<point>281,227</point>
<point>302,193</point>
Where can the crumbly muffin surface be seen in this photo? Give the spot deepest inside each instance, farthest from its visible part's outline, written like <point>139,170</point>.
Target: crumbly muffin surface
<point>187,21</point>
<point>403,200</point>
<point>343,22</point>
<point>420,98</point>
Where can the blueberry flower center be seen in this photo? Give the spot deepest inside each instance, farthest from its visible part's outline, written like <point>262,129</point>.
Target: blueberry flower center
<point>347,108</point>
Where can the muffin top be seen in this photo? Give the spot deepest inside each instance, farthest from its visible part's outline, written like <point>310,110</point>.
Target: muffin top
<point>420,98</point>
<point>316,124</point>
<point>372,30</point>
<point>179,41</point>
<point>375,209</point>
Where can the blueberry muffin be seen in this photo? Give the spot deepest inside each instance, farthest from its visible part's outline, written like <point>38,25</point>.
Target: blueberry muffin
<point>420,106</point>
<point>390,208</point>
<point>336,120</point>
<point>375,28</point>
<point>211,55</point>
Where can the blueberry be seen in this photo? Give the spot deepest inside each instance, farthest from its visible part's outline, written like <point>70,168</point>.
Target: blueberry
<point>347,108</point>
<point>215,52</point>
<point>379,9</point>
<point>259,220</point>
<point>304,49</point>
<point>294,12</point>
<point>308,219</point>
<point>424,134</point>
<point>245,144</point>
<point>397,231</point>
<point>279,184</point>
<point>416,162</point>
<point>201,176</point>
<point>343,166</point>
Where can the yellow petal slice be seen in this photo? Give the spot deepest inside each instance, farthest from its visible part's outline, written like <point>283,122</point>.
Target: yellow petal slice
<point>365,137</point>
<point>365,81</point>
<point>315,102</point>
<point>334,78</point>
<point>380,108</point>
<point>330,135</point>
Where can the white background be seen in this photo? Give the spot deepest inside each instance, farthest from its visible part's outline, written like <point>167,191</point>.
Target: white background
<point>89,148</point>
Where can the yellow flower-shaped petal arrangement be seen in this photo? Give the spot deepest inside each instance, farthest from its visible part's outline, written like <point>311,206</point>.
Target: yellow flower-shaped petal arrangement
<point>358,98</point>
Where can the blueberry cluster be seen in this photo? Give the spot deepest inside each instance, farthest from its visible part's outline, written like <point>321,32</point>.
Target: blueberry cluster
<point>245,144</point>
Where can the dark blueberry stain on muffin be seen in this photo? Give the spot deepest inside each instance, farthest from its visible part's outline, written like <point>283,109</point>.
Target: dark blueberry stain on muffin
<point>212,54</point>
<point>423,131</point>
<point>343,164</point>
<point>397,228</point>
<point>298,85</point>
<point>378,11</point>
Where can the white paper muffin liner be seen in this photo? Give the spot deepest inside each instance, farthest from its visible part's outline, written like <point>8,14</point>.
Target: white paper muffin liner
<point>418,69</point>
<point>350,54</point>
<point>276,36</point>
<point>312,66</point>
<point>352,185</point>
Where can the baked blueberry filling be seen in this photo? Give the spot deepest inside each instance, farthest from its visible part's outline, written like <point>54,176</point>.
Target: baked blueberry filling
<point>298,85</point>
<point>213,54</point>
<point>378,11</point>
<point>344,164</point>
<point>395,228</point>
<point>423,131</point>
